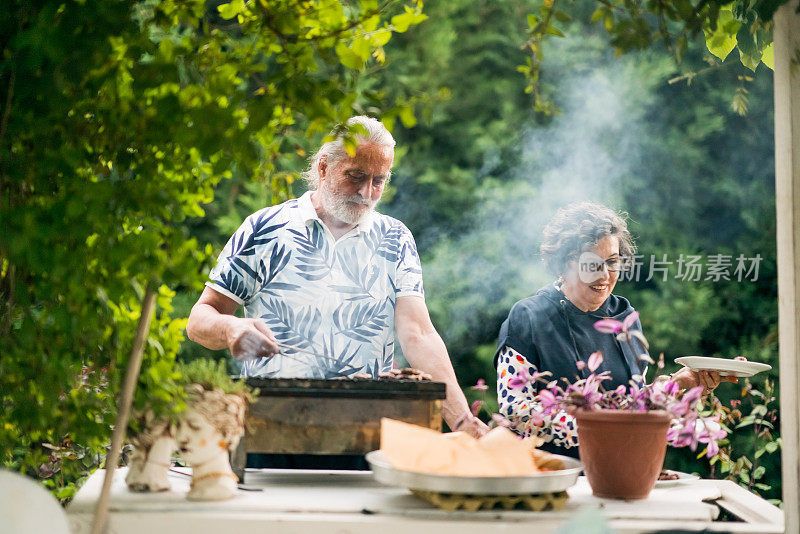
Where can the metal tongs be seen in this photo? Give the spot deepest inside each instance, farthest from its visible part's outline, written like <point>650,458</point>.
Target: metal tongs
<point>347,370</point>
<point>315,354</point>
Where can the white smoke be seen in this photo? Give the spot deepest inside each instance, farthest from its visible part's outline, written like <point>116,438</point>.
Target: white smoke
<point>586,153</point>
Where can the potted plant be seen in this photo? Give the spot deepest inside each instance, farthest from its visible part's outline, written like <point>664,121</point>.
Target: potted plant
<point>196,408</point>
<point>211,427</point>
<point>623,433</point>
<point>158,401</point>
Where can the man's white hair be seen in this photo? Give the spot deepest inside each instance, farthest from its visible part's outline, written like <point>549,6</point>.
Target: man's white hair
<point>334,151</point>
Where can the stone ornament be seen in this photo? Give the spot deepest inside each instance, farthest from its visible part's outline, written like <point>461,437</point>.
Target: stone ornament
<point>211,426</point>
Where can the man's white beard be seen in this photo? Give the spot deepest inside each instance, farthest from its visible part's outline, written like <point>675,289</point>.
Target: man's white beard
<point>348,209</point>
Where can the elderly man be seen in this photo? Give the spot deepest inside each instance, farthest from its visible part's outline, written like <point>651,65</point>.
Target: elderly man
<point>325,281</point>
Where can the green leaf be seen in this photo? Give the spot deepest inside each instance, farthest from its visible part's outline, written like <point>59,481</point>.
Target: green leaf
<point>407,116</point>
<point>768,56</point>
<point>348,58</point>
<point>720,43</point>
<point>361,48</point>
<point>401,22</point>
<point>562,16</point>
<point>232,9</point>
<point>381,37</point>
<point>749,61</point>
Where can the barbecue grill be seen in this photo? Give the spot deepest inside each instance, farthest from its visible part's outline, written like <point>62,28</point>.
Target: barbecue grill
<point>339,416</point>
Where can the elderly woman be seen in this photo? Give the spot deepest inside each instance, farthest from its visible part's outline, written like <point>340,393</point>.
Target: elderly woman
<point>585,245</point>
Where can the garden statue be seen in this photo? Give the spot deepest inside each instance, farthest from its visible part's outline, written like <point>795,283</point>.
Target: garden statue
<point>212,425</point>
<point>151,458</point>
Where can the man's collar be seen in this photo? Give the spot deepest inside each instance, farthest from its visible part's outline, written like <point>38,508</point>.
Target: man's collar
<point>309,213</point>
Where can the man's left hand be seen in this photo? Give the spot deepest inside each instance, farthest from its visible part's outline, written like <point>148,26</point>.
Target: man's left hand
<point>473,426</point>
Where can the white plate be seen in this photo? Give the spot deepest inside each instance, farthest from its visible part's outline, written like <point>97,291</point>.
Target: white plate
<point>682,477</point>
<point>546,481</point>
<point>724,366</point>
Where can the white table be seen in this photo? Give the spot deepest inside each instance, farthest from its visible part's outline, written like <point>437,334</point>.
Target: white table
<point>301,501</point>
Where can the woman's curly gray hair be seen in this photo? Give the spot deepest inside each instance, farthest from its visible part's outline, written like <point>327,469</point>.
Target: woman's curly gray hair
<point>335,150</point>
<point>577,228</point>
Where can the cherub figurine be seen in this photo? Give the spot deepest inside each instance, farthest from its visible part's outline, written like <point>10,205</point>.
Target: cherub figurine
<point>212,425</point>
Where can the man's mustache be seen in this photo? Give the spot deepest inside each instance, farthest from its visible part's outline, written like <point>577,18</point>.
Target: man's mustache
<point>357,199</point>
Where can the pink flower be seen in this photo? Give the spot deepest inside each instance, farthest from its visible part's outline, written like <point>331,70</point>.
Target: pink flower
<point>608,326</point>
<point>672,388</point>
<point>480,385</point>
<point>547,400</point>
<point>595,360</point>
<point>622,329</point>
<point>537,418</point>
<point>629,320</point>
<point>521,379</point>
<point>476,407</point>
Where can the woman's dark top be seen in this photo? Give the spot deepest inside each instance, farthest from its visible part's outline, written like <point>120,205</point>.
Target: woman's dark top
<point>553,334</point>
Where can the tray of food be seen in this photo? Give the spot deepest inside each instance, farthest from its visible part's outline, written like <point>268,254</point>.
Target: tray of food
<point>498,463</point>
<point>543,481</point>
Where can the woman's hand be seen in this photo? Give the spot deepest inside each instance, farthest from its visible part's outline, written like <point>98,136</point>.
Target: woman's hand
<point>688,379</point>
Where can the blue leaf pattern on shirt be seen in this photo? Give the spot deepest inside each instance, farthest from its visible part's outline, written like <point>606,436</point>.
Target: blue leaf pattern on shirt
<point>361,321</point>
<point>314,258</point>
<point>332,299</point>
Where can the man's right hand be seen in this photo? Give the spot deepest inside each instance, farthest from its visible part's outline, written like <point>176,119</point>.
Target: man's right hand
<point>250,339</point>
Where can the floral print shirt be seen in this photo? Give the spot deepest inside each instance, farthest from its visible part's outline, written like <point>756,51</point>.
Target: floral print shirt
<point>334,298</point>
<point>518,407</point>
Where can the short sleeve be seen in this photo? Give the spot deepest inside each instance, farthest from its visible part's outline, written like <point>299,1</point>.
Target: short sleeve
<point>236,272</point>
<point>518,405</point>
<point>408,280</point>
<point>517,333</point>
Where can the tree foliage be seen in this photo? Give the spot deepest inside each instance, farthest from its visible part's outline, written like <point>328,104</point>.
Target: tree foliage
<point>118,121</point>
<point>724,25</point>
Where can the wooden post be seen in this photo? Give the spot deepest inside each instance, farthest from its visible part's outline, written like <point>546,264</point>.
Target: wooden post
<point>787,203</point>
<point>124,408</point>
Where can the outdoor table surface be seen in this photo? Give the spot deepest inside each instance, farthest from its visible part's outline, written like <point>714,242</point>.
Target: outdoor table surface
<point>298,501</point>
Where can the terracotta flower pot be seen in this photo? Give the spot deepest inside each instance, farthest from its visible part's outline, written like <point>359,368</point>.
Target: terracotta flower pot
<point>622,452</point>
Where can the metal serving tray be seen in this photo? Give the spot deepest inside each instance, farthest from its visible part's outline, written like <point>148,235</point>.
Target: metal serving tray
<point>546,481</point>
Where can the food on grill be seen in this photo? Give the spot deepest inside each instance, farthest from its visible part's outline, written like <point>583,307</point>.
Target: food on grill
<point>397,374</point>
<point>405,374</point>
<point>667,475</point>
<point>413,448</point>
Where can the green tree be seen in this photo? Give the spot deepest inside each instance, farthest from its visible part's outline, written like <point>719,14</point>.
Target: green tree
<point>118,121</point>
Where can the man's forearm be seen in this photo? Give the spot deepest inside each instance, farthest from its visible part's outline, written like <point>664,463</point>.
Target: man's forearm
<point>428,353</point>
<point>208,326</point>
